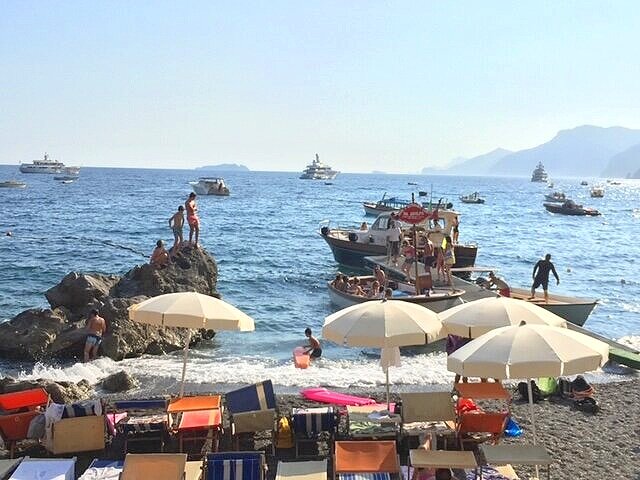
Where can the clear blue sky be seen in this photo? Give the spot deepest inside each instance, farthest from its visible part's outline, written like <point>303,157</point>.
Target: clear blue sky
<point>391,86</point>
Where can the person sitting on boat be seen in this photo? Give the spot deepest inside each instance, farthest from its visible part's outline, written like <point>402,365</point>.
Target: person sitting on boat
<point>354,287</point>
<point>541,277</point>
<point>338,283</point>
<point>499,284</point>
<point>409,252</point>
<point>160,256</point>
<point>374,291</point>
<point>380,275</point>
<point>364,226</point>
<point>388,293</point>
<point>313,349</point>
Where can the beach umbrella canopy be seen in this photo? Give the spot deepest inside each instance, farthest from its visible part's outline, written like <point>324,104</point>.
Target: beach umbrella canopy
<point>385,324</point>
<point>528,351</point>
<point>476,318</point>
<point>193,311</point>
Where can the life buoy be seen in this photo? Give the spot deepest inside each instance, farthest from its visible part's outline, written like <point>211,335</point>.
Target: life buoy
<point>353,237</point>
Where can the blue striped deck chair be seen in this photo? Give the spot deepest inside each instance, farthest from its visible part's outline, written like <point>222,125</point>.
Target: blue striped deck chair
<point>235,466</point>
<point>252,409</point>
<point>310,423</point>
<point>145,420</point>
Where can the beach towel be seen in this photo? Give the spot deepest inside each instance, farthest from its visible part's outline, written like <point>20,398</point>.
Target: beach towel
<point>365,476</point>
<point>512,429</point>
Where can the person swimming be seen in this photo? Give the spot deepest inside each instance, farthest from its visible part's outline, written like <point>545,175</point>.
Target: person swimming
<point>313,349</point>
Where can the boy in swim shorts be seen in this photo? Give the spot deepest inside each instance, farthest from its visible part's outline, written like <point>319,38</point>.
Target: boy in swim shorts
<point>176,223</point>
<point>313,349</point>
<point>96,327</point>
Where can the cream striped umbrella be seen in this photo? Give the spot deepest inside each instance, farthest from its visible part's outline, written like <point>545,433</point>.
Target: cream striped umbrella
<point>193,311</point>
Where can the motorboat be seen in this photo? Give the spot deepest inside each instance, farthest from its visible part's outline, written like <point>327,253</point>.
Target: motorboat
<point>318,171</point>
<point>68,173</point>
<point>12,184</point>
<point>556,197</point>
<point>539,174</point>
<point>394,204</point>
<point>67,182</point>
<point>472,198</point>
<point>46,165</point>
<point>570,208</point>
<point>350,246</point>
<point>575,310</point>
<point>584,183</point>
<point>437,299</point>
<point>597,192</point>
<point>210,186</point>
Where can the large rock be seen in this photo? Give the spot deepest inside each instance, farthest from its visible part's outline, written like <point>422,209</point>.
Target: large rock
<point>41,334</point>
<point>118,382</point>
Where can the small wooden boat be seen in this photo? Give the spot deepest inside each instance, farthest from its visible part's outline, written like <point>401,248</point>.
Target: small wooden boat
<point>12,184</point>
<point>597,192</point>
<point>438,300</point>
<point>556,197</point>
<point>472,198</point>
<point>571,208</point>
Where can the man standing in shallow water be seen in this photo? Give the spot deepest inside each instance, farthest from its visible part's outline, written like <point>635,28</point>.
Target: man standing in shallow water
<point>192,218</point>
<point>96,327</point>
<point>541,277</point>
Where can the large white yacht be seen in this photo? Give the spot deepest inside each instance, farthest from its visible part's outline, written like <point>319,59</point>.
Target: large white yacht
<point>318,171</point>
<point>539,174</point>
<point>210,186</point>
<point>42,166</point>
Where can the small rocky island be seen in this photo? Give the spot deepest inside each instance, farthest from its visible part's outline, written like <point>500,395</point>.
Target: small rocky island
<point>58,332</point>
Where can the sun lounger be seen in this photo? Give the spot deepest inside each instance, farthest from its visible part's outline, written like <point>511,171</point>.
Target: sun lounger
<point>234,466</point>
<point>314,470</point>
<point>45,469</point>
<point>362,423</point>
<point>428,413</point>
<point>18,409</point>
<point>7,467</point>
<point>196,418</point>
<point>103,470</point>
<point>480,427</point>
<point>366,460</point>
<point>145,420</point>
<point>310,423</point>
<point>252,409</point>
<point>81,427</point>
<point>156,466</point>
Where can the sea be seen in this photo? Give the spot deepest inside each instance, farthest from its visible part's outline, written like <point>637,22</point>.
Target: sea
<point>274,265</point>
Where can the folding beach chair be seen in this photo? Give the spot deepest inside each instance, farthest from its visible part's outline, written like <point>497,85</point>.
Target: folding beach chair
<point>480,427</point>
<point>428,413</point>
<point>156,466</point>
<point>313,470</point>
<point>18,409</point>
<point>366,460</point>
<point>196,418</point>
<point>45,469</point>
<point>310,423</point>
<point>235,466</point>
<point>252,409</point>
<point>361,423</point>
<point>144,420</point>
<point>103,470</point>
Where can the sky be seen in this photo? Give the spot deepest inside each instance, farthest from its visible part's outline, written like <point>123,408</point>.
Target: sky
<point>368,85</point>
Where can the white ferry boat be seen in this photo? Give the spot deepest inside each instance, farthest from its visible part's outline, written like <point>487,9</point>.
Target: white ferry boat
<point>318,171</point>
<point>42,166</point>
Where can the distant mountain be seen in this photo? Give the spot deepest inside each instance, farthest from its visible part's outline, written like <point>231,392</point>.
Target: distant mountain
<point>624,164</point>
<point>583,151</point>
<point>225,167</point>
<point>480,165</point>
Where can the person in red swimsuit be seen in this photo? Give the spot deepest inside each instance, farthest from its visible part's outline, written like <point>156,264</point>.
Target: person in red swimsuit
<point>192,218</point>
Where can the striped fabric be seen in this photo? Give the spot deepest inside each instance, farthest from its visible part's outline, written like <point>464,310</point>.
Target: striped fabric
<point>141,424</point>
<point>364,476</point>
<point>312,421</point>
<point>234,466</point>
<point>254,397</point>
<point>82,409</point>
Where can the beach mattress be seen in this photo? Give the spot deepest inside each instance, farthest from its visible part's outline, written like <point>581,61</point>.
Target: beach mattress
<point>301,359</point>
<point>45,469</point>
<point>323,395</point>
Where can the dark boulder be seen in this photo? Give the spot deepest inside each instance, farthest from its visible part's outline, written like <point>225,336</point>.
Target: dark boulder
<point>118,382</point>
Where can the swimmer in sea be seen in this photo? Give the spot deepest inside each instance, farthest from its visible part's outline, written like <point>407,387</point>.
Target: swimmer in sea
<point>313,349</point>
<point>96,327</point>
<point>192,218</point>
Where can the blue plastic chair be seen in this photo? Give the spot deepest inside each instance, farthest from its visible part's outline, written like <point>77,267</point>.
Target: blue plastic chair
<point>235,466</point>
<point>310,423</point>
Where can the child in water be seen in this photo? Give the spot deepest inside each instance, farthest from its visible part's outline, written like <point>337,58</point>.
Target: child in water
<point>313,349</point>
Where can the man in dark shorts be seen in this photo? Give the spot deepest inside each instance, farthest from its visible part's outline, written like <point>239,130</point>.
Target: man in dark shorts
<point>313,349</point>
<point>96,327</point>
<point>541,277</point>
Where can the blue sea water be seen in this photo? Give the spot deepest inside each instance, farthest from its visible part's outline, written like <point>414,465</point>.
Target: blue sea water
<point>274,265</point>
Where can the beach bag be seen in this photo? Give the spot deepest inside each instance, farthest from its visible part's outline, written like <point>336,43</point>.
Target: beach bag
<point>580,388</point>
<point>284,436</point>
<point>564,387</point>
<point>548,386</point>
<point>524,392</point>
<point>587,405</point>
<point>512,429</point>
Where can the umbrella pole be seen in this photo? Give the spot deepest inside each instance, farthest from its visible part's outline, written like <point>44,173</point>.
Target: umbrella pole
<point>533,420</point>
<point>388,404</point>
<point>184,364</point>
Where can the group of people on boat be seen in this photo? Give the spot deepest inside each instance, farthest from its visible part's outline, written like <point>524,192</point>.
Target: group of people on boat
<point>160,257</point>
<point>354,286</point>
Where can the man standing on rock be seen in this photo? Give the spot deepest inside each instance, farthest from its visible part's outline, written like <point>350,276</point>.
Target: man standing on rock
<point>96,328</point>
<point>192,218</point>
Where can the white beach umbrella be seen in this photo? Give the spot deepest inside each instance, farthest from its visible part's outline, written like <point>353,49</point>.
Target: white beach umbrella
<point>193,311</point>
<point>385,324</point>
<point>476,318</point>
<point>528,351</point>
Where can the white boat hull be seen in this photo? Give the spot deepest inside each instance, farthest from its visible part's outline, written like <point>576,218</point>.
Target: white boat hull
<point>201,189</point>
<point>25,168</point>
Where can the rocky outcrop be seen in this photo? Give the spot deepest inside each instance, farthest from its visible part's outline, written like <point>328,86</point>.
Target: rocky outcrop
<point>60,392</point>
<point>38,334</point>
<point>118,382</point>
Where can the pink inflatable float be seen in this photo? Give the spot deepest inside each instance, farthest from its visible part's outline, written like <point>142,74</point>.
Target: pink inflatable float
<point>323,395</point>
